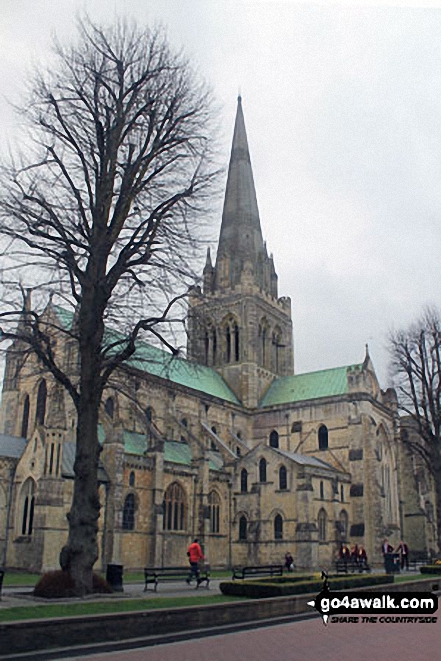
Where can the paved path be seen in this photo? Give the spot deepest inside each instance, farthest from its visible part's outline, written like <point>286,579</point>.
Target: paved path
<point>22,596</point>
<point>306,640</point>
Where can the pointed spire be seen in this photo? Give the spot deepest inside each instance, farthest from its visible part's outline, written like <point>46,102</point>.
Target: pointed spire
<point>208,263</point>
<point>240,236</point>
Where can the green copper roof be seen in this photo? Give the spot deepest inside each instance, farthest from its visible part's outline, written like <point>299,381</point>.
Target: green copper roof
<point>157,362</point>
<point>312,385</point>
<point>175,452</point>
<point>183,372</point>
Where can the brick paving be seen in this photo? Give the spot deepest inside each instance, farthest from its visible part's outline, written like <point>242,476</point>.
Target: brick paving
<point>306,640</point>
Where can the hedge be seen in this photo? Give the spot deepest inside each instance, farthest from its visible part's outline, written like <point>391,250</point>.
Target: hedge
<point>261,589</point>
<point>430,569</point>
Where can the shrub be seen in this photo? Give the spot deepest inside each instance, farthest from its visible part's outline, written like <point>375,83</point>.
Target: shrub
<point>60,584</point>
<point>261,589</point>
<point>430,569</point>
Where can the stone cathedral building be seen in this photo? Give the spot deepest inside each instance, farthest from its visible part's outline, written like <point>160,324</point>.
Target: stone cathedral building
<point>228,444</point>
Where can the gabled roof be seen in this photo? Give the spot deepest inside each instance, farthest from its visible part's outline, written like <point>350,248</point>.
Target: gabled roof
<point>12,446</point>
<point>305,460</point>
<point>311,385</point>
<point>68,460</point>
<point>157,362</point>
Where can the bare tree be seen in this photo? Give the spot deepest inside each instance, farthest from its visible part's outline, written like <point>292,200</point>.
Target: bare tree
<point>416,366</point>
<point>102,213</point>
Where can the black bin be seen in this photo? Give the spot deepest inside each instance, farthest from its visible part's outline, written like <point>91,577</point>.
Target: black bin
<point>392,563</point>
<point>114,577</point>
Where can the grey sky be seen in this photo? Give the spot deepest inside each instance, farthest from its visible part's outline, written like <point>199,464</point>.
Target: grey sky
<point>342,105</point>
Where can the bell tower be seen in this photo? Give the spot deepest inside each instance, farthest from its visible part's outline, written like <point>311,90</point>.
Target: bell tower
<point>237,323</point>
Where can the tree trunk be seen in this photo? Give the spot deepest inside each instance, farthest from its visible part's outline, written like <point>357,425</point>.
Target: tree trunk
<point>81,552</point>
<point>436,472</point>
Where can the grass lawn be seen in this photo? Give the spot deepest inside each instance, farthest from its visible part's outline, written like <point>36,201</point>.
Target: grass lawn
<point>17,579</point>
<point>13,579</point>
<point>403,578</point>
<point>94,608</point>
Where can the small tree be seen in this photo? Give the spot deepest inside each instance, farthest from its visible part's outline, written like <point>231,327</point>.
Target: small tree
<point>102,213</point>
<point>416,366</point>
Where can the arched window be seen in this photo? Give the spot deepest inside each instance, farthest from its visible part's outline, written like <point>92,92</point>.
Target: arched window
<point>207,346</point>
<point>109,407</point>
<point>276,344</point>
<point>175,508</point>
<point>343,524</point>
<point>41,403</point>
<point>321,522</point>
<point>27,501</point>
<point>214,508</point>
<point>263,334</point>
<point>243,524</point>
<point>238,452</point>
<point>214,345</point>
<point>323,437</point>
<point>262,470</point>
<point>274,439</point>
<point>322,491</point>
<point>278,527</point>
<point>244,480</point>
<point>236,342</point>
<point>283,482</point>
<point>132,479</point>
<point>128,521</point>
<point>227,344</point>
<point>184,422</point>
<point>25,417</point>
<point>149,414</point>
<point>342,493</point>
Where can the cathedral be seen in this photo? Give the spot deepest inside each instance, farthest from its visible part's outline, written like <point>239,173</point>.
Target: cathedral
<point>228,445</point>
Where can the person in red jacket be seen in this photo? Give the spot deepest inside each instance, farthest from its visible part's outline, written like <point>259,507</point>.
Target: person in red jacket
<point>194,553</point>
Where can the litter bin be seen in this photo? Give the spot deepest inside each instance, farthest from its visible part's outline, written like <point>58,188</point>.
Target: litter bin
<point>114,577</point>
<point>392,563</point>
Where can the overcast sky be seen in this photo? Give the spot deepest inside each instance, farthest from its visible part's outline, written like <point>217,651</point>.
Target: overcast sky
<point>342,106</point>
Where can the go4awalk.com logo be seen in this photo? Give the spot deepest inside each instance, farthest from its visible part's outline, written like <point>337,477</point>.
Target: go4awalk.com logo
<point>375,606</point>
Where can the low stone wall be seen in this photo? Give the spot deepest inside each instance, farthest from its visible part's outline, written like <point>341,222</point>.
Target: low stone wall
<point>33,635</point>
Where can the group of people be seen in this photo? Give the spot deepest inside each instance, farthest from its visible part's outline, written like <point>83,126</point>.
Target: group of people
<point>356,554</point>
<point>402,549</point>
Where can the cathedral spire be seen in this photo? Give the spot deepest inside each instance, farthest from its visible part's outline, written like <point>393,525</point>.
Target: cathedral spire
<point>240,238</point>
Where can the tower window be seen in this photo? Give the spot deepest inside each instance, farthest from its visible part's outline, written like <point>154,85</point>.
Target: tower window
<point>274,439</point>
<point>323,437</point>
<point>227,344</point>
<point>109,407</point>
<point>322,491</point>
<point>132,479</point>
<point>25,417</point>
<point>244,480</point>
<point>236,343</point>
<point>41,403</point>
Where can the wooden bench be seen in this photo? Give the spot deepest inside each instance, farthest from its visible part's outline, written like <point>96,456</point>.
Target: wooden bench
<point>349,566</point>
<point>154,575</point>
<point>261,570</point>
<point>2,575</point>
